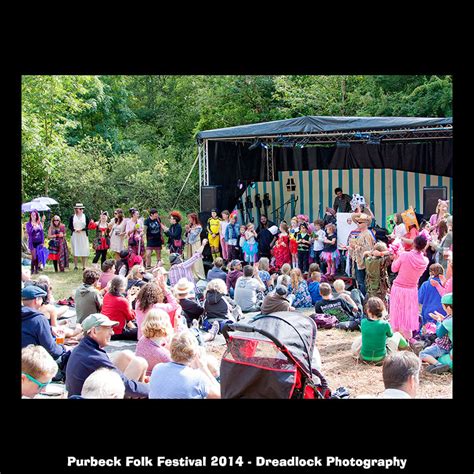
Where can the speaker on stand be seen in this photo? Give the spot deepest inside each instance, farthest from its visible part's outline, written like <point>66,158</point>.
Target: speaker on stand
<point>431,194</point>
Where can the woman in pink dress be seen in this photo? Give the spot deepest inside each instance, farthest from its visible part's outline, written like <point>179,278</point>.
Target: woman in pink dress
<point>441,213</point>
<point>404,311</point>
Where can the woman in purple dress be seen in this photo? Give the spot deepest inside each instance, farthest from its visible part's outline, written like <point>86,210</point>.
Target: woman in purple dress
<point>34,229</point>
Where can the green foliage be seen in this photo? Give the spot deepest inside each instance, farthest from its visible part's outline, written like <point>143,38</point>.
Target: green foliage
<point>122,141</point>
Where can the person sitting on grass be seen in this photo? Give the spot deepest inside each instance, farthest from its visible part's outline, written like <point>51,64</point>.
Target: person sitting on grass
<point>184,291</point>
<point>37,370</point>
<point>232,277</point>
<point>247,288</point>
<point>154,344</point>
<point>313,287</point>
<point>122,266</point>
<point>299,288</point>
<point>90,355</point>
<point>263,273</point>
<point>349,296</point>
<point>108,272</point>
<point>178,378</point>
<point>103,383</point>
<point>35,328</point>
<point>343,311</point>
<point>444,342</point>
<point>377,337</point>
<point>216,271</point>
<point>429,297</point>
<point>218,307</point>
<point>87,297</point>
<point>276,301</point>
<point>118,308</point>
<point>284,270</point>
<point>180,269</point>
<point>401,375</point>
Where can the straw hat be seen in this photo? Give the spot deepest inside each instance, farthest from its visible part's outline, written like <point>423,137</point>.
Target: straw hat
<point>361,217</point>
<point>183,288</point>
<point>79,205</point>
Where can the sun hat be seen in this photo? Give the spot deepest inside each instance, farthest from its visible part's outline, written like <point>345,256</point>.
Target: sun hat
<point>447,298</point>
<point>79,205</point>
<point>360,217</point>
<point>281,290</point>
<point>31,292</point>
<point>175,258</point>
<point>183,287</point>
<point>97,319</point>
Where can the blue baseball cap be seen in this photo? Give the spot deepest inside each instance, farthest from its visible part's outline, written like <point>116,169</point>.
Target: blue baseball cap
<point>31,292</point>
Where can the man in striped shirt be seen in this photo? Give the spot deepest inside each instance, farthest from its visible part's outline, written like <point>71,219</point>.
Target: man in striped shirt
<point>180,269</point>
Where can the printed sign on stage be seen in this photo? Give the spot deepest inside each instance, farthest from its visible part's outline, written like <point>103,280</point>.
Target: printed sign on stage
<point>344,227</point>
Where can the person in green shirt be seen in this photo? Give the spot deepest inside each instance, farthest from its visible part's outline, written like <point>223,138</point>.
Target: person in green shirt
<point>377,335</point>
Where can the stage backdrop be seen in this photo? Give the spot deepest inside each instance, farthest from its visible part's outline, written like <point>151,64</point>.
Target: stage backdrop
<point>385,190</point>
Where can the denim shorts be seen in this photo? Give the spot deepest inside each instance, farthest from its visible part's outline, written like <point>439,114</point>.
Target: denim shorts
<point>434,351</point>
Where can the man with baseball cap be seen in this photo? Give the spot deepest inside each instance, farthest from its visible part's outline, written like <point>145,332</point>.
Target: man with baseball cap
<point>35,328</point>
<point>90,355</point>
<point>232,277</point>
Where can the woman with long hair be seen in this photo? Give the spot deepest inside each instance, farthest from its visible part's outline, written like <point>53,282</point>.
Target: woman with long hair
<point>281,249</point>
<point>193,243</point>
<point>58,250</point>
<point>117,228</point>
<point>102,237</point>
<point>34,230</point>
<point>135,230</point>
<point>78,224</point>
<point>441,213</point>
<point>299,288</point>
<point>174,233</point>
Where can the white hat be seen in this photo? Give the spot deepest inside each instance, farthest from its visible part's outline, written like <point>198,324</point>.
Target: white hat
<point>273,230</point>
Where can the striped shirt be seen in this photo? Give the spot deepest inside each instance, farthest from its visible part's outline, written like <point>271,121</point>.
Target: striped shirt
<point>183,270</point>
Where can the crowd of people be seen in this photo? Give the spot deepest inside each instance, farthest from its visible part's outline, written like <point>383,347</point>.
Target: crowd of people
<point>396,289</point>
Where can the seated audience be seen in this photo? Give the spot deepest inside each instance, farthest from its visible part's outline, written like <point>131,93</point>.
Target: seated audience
<point>429,297</point>
<point>37,370</point>
<point>103,383</point>
<point>218,308</point>
<point>246,289</point>
<point>263,273</point>
<point>191,310</point>
<point>299,288</point>
<point>401,375</point>
<point>87,297</point>
<point>276,301</point>
<point>178,379</point>
<point>232,277</point>
<point>216,271</point>
<point>157,332</point>
<point>313,287</point>
<point>118,308</point>
<point>90,355</point>
<point>108,272</point>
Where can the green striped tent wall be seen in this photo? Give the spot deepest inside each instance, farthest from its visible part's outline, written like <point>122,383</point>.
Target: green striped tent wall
<point>389,190</point>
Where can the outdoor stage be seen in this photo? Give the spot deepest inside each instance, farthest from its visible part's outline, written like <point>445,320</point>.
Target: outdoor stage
<point>288,167</point>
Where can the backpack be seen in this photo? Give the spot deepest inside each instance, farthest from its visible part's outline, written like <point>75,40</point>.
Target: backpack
<point>324,321</point>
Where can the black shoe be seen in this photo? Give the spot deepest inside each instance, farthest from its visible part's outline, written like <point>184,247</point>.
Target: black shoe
<point>438,368</point>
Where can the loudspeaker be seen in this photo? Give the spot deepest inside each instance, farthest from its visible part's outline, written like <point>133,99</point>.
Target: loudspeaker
<point>431,194</point>
<point>211,197</point>
<point>206,254</point>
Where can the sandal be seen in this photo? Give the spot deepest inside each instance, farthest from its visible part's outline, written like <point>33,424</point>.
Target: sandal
<point>214,330</point>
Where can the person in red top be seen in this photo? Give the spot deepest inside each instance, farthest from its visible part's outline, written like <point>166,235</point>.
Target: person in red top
<point>409,237</point>
<point>118,308</point>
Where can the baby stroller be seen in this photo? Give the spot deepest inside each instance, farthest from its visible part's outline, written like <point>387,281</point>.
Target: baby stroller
<point>270,356</point>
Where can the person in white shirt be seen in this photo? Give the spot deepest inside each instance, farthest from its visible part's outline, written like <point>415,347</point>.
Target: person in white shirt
<point>401,375</point>
<point>318,239</point>
<point>247,287</point>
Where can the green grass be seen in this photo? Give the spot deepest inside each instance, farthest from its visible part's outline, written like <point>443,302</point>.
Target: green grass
<point>65,284</point>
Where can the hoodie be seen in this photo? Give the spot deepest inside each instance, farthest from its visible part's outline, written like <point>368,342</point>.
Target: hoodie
<point>35,329</point>
<point>216,305</point>
<point>88,301</point>
<point>410,266</point>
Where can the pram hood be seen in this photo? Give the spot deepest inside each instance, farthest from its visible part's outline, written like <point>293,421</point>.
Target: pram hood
<point>296,331</point>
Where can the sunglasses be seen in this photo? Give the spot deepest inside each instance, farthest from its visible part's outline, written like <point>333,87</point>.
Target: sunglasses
<point>40,384</point>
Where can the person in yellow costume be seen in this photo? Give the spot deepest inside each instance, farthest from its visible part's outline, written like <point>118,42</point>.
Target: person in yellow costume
<point>213,224</point>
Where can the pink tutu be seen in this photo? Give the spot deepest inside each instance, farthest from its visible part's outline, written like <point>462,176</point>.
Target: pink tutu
<point>404,310</point>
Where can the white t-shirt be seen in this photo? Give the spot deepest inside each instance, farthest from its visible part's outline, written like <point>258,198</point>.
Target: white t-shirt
<point>319,244</point>
<point>246,292</point>
<point>399,231</point>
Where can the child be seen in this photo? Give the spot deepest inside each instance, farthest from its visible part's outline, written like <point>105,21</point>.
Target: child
<point>299,288</point>
<point>222,229</point>
<point>108,272</point>
<point>377,262</point>
<point>429,297</point>
<point>313,287</point>
<point>263,266</point>
<point>250,246</point>
<point>293,243</point>
<point>330,253</point>
<point>377,336</point>
<point>318,238</point>
<point>341,291</point>
<point>284,270</point>
<point>303,240</point>
<point>241,241</point>
<point>213,226</point>
<point>444,342</point>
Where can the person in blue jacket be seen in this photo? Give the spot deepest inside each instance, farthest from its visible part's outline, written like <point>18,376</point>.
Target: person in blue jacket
<point>90,355</point>
<point>35,328</point>
<point>429,297</point>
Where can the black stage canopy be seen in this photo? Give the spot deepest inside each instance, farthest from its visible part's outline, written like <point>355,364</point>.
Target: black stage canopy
<point>316,124</point>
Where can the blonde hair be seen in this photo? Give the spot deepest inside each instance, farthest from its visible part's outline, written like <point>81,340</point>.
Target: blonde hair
<point>285,269</point>
<point>103,383</point>
<point>316,276</point>
<point>380,246</point>
<point>296,277</point>
<point>264,264</point>
<point>37,362</point>
<point>339,285</point>
<point>157,324</point>
<point>217,285</point>
<point>44,279</point>
<point>183,347</point>
<point>135,272</point>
